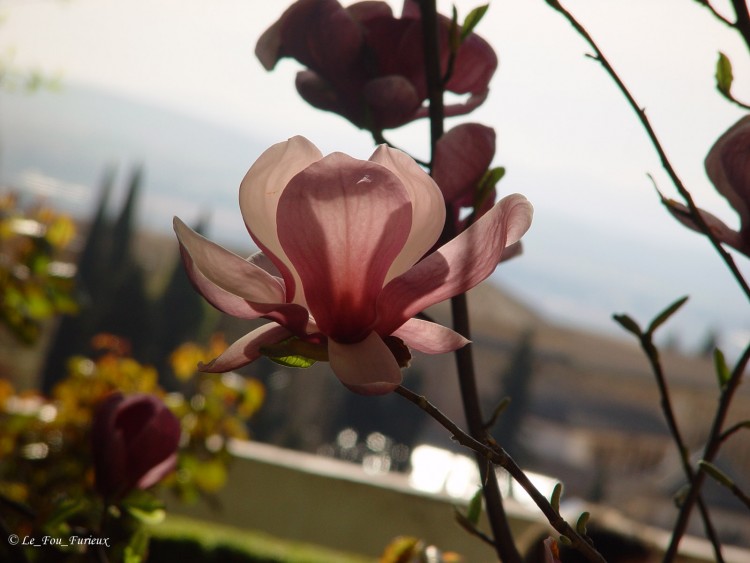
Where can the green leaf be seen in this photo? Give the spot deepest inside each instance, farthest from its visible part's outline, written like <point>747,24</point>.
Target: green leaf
<point>556,494</point>
<point>724,76</point>
<point>63,511</point>
<point>717,474</point>
<point>583,519</point>
<point>293,361</point>
<point>665,314</point>
<point>136,550</point>
<point>628,324</point>
<point>474,510</point>
<point>453,35</point>
<point>471,21</point>
<point>722,370</point>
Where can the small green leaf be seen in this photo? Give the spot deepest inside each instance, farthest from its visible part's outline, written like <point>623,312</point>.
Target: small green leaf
<point>474,510</point>
<point>453,35</point>
<point>717,474</point>
<point>136,550</point>
<point>722,370</point>
<point>724,76</point>
<point>499,409</point>
<point>565,540</point>
<point>583,519</point>
<point>628,324</point>
<point>665,314</point>
<point>472,19</point>
<point>487,184</point>
<point>293,361</point>
<point>556,494</point>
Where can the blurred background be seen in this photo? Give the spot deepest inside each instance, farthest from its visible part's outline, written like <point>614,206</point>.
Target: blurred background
<point>125,114</point>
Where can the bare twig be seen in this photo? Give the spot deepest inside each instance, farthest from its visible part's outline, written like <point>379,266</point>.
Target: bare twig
<point>712,448</point>
<point>666,164</point>
<point>503,538</point>
<point>499,456</point>
<point>666,404</point>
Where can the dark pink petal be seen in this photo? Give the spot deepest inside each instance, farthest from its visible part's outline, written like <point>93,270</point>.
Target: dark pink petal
<point>392,101</point>
<point>134,443</point>
<point>369,9</point>
<point>317,91</point>
<point>152,435</point>
<point>319,33</point>
<point>428,208</point>
<point>728,167</point>
<point>268,47</point>
<point>366,367</point>
<point>462,156</point>
<point>718,228</point>
<point>246,349</point>
<point>457,266</point>
<point>429,338</point>
<point>342,222</point>
<point>259,195</point>
<point>475,64</point>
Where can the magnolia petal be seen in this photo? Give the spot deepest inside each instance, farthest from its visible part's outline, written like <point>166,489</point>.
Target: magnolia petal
<point>246,349</point>
<point>317,91</point>
<point>268,47</point>
<point>342,222</point>
<point>324,24</point>
<point>259,196</point>
<point>364,11</point>
<point>728,167</point>
<point>719,229</point>
<point>428,208</point>
<point>366,367</point>
<point>392,100</point>
<point>429,338</point>
<point>226,270</point>
<point>457,266</point>
<point>474,66</point>
<point>462,156</point>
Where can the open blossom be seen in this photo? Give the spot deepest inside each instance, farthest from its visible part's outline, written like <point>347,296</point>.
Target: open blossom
<point>134,443</point>
<point>728,167</point>
<point>346,239</point>
<point>367,65</point>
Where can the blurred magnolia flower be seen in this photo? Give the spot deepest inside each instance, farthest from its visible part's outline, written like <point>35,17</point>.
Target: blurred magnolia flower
<point>728,167</point>
<point>367,65</point>
<point>345,239</point>
<point>462,157</point>
<point>134,443</point>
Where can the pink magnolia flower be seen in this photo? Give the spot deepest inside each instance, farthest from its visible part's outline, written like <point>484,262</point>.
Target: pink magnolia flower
<point>346,239</point>
<point>728,167</point>
<point>462,157</point>
<point>134,443</point>
<point>367,65</point>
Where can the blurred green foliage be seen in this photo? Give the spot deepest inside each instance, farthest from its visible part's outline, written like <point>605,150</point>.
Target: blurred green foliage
<point>35,283</point>
<point>46,474</point>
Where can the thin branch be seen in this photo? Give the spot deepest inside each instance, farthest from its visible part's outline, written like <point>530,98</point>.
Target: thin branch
<point>666,404</point>
<point>499,456</point>
<point>742,24</point>
<point>666,164</point>
<point>505,546</point>
<point>716,14</point>
<point>712,448</point>
<point>734,428</point>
